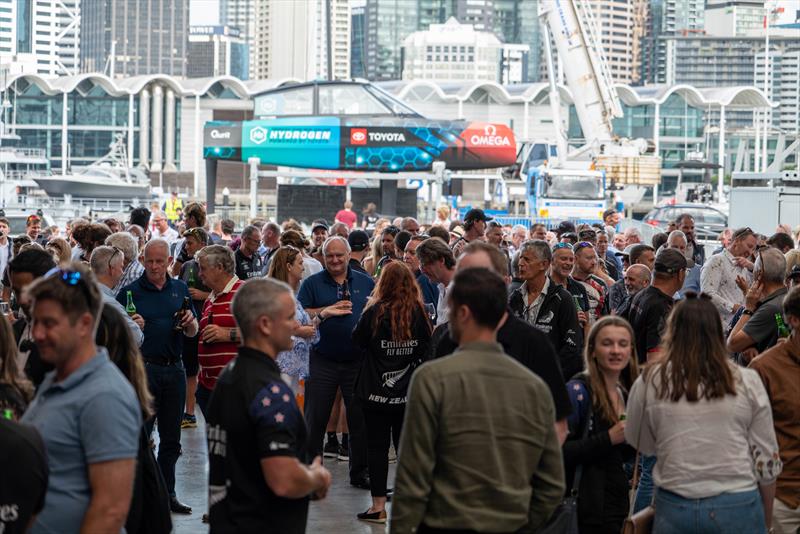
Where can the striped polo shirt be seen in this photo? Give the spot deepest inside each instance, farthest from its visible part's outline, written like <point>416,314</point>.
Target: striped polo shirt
<point>213,357</point>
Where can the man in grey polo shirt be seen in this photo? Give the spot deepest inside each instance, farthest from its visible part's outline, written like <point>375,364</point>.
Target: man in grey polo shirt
<point>107,267</point>
<point>86,411</point>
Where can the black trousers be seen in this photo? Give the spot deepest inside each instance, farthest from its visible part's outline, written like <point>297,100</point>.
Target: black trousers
<point>382,425</point>
<point>325,377</point>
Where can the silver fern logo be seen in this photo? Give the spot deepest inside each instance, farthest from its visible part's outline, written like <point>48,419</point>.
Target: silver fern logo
<point>391,378</point>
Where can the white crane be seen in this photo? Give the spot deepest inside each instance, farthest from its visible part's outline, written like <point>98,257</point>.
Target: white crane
<point>571,25</point>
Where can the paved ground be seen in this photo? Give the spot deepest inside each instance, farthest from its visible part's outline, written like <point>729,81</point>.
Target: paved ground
<point>335,515</point>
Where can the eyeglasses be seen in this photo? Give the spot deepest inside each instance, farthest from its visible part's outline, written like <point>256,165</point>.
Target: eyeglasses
<point>71,278</point>
<point>587,234</point>
<point>691,295</point>
<point>743,232</point>
<point>117,250</point>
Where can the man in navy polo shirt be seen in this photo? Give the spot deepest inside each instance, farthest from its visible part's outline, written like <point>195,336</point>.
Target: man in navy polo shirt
<point>158,298</point>
<point>337,296</point>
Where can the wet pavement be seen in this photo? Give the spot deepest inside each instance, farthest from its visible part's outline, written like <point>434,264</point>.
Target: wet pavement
<point>336,514</point>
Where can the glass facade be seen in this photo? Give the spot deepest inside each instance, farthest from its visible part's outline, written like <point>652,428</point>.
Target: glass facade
<point>680,127</point>
<point>24,27</point>
<point>93,118</point>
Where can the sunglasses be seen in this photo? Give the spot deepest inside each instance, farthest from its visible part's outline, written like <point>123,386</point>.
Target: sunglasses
<point>73,279</point>
<point>559,246</point>
<point>583,244</point>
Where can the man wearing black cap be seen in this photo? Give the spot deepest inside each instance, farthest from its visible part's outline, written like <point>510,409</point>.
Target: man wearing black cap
<point>474,229</point>
<point>565,227</point>
<point>651,306</point>
<point>359,246</point>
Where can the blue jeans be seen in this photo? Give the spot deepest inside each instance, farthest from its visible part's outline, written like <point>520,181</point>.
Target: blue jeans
<point>167,384</point>
<point>725,513</point>
<point>644,492</point>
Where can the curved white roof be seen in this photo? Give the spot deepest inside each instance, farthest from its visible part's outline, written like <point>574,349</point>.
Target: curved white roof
<point>183,87</point>
<point>742,97</point>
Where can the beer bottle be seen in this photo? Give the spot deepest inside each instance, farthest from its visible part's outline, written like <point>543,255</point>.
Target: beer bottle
<point>191,281</point>
<point>176,320</point>
<point>130,307</point>
<point>346,291</point>
<point>783,330</point>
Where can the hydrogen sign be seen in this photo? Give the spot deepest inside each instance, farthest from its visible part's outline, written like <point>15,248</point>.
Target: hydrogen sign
<point>294,142</point>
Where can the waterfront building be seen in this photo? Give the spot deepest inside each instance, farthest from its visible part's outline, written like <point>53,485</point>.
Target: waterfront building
<point>135,37</point>
<point>75,118</point>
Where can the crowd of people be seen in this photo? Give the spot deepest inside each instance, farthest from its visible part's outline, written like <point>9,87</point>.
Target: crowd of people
<point>509,371</point>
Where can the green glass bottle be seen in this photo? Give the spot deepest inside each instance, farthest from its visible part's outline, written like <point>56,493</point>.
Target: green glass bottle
<point>191,281</point>
<point>130,307</point>
<point>783,330</point>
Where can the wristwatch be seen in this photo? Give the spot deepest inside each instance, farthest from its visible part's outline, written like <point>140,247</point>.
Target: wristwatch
<point>747,312</point>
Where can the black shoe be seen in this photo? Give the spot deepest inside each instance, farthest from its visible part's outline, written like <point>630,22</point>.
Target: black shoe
<point>177,507</point>
<point>343,453</point>
<point>373,517</point>
<point>361,483</point>
<point>331,449</point>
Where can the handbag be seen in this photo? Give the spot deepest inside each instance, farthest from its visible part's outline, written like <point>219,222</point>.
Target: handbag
<point>642,521</point>
<point>565,517</point>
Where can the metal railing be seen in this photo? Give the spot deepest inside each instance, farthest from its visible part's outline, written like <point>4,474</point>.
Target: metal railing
<point>37,153</point>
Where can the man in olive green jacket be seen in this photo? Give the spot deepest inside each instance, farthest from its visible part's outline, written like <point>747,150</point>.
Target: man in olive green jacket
<point>478,450</point>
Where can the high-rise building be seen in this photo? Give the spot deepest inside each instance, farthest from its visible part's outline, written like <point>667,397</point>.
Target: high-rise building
<point>666,18</point>
<point>242,14</point>
<point>614,23</point>
<point>292,39</point>
<point>389,22</point>
<point>710,61</point>
<point>217,51</point>
<point>340,24</point>
<point>41,36</point>
<point>457,52</point>
<point>358,41</point>
<point>134,37</point>
<point>733,18</point>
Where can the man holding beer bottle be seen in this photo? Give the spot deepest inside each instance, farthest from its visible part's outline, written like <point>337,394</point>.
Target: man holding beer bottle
<point>107,266</point>
<point>165,306</point>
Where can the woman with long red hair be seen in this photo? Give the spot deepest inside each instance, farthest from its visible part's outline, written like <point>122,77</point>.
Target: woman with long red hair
<point>394,334</point>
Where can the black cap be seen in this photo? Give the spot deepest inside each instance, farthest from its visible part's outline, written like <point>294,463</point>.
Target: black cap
<point>319,223</point>
<point>795,272</point>
<point>476,214</point>
<point>565,227</point>
<point>670,261</point>
<point>358,239</point>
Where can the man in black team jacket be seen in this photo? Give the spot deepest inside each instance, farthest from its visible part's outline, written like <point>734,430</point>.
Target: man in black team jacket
<point>258,478</point>
<point>547,306</point>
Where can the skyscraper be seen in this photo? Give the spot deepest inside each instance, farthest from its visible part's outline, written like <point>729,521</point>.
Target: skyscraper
<point>146,37</point>
<point>389,22</point>
<point>242,14</point>
<point>41,36</point>
<point>292,39</point>
<point>217,51</point>
<point>666,18</point>
<point>358,41</point>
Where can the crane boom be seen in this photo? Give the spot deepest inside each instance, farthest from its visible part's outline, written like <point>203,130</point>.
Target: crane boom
<point>572,26</point>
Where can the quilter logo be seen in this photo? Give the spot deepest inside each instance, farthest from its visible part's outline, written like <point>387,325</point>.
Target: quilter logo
<point>358,136</point>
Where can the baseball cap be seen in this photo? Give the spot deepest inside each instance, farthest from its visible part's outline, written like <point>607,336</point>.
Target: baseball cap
<point>565,227</point>
<point>476,214</point>
<point>319,223</point>
<point>358,239</point>
<point>670,261</point>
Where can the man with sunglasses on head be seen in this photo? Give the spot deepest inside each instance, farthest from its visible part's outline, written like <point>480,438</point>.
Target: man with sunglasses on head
<point>718,279</point>
<point>86,411</point>
<point>106,263</point>
<point>596,289</point>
